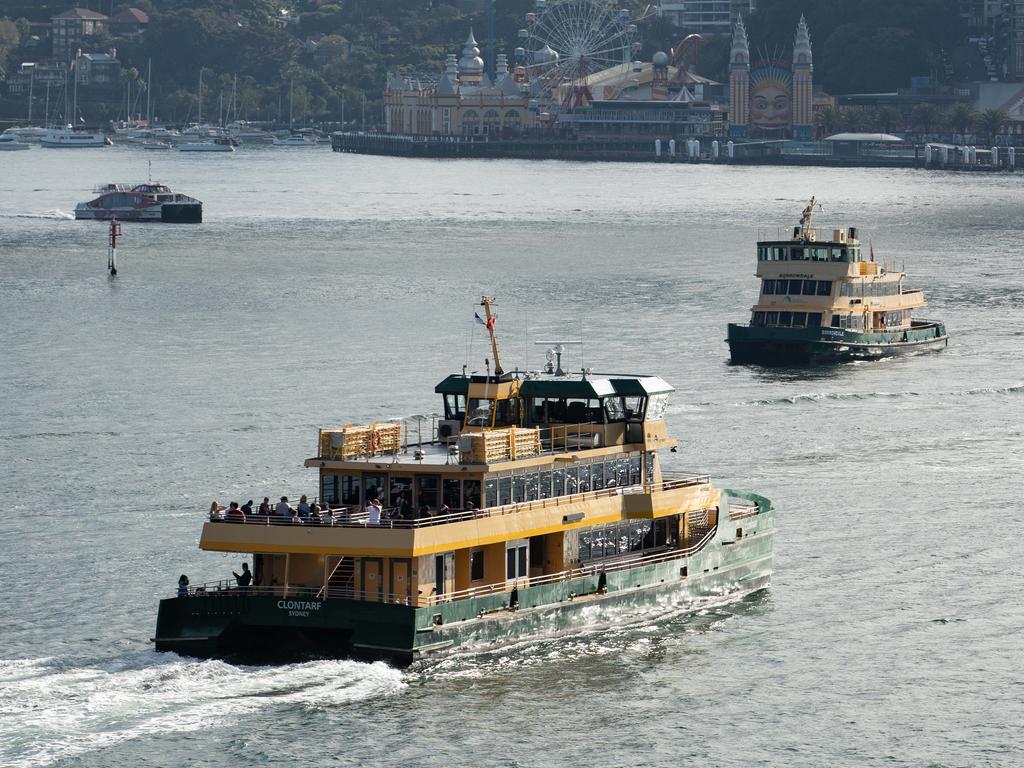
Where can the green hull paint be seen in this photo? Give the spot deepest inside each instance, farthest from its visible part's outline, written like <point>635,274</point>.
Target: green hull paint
<point>236,625</point>
<point>766,345</point>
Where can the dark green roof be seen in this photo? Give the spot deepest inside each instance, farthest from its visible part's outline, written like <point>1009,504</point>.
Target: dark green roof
<point>456,384</point>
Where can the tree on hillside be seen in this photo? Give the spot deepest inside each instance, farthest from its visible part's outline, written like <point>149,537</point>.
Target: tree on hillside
<point>991,122</point>
<point>927,118</point>
<point>963,118</point>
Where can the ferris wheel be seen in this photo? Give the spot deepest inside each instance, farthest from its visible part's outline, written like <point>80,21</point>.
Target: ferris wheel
<point>564,41</point>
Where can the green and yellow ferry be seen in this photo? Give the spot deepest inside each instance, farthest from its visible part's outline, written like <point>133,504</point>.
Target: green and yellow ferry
<point>538,505</point>
<point>822,301</point>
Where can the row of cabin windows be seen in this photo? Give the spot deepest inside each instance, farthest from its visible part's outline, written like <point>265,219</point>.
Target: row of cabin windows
<point>808,253</point>
<point>547,484</point>
<point>621,538</point>
<point>797,287</point>
<point>788,319</point>
<point>893,319</point>
<point>430,491</point>
<point>538,411</point>
<point>873,288</point>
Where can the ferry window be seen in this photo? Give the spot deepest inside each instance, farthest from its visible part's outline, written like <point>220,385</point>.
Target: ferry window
<point>584,485</point>
<point>785,318</point>
<point>476,565</point>
<point>451,493</point>
<point>813,320</point>
<point>544,485</point>
<point>572,481</point>
<point>537,415</point>
<point>614,410</point>
<point>426,491</point>
<point>781,286</point>
<point>518,489</point>
<point>504,491</point>
<point>656,406</point>
<point>329,489</point>
<point>821,254</point>
<point>634,407</point>
<point>532,489</point>
<point>771,318</point>
<point>781,254</point>
<point>479,412</point>
<point>516,560</point>
<point>556,411</point>
<point>470,493</point>
<point>375,487</point>
<point>455,407</point>
<point>799,319</point>
<point>836,320</point>
<point>761,253</point>
<point>506,412</point>
<point>348,489</point>
<point>854,253</point>
<point>557,483</point>
<point>491,492</point>
<point>597,476</point>
<point>824,288</point>
<point>634,470</point>
<point>585,542</point>
<point>768,287</point>
<point>759,318</point>
<point>401,492</point>
<point>661,532</point>
<point>838,254</point>
<point>794,287</point>
<point>810,286</point>
<point>649,469</point>
<point>797,254</point>
<point>622,475</point>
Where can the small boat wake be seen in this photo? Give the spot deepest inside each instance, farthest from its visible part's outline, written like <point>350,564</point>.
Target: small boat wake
<point>64,707</point>
<point>53,213</point>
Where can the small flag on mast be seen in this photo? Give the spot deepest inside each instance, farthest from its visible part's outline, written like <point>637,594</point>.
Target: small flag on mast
<point>488,324</point>
<point>479,319</point>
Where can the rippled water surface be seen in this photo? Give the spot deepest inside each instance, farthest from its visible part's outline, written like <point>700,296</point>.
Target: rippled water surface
<point>324,289</point>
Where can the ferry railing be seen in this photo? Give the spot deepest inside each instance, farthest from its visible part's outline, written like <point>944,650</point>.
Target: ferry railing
<point>230,588</point>
<point>349,517</point>
<point>591,569</point>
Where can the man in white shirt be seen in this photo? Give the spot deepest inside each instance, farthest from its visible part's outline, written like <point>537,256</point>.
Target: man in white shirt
<point>283,509</point>
<point>373,510</point>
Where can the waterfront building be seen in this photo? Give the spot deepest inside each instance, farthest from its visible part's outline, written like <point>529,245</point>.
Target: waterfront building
<point>97,69</point>
<point>71,29</point>
<point>705,17</point>
<point>463,101</point>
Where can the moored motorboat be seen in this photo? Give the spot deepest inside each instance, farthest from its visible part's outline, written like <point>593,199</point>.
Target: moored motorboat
<point>295,140</point>
<point>149,201</point>
<point>824,300</point>
<point>537,505</point>
<point>218,144</point>
<point>10,143</point>
<point>74,137</point>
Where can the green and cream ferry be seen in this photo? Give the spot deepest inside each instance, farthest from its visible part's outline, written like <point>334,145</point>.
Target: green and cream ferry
<point>537,505</point>
<point>823,301</point>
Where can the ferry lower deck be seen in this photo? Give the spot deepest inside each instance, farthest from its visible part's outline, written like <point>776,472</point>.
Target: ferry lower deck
<point>723,555</point>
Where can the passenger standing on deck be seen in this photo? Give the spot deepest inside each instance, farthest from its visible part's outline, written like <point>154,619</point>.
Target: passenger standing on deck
<point>373,511</point>
<point>244,578</point>
<point>283,509</point>
<point>183,586</point>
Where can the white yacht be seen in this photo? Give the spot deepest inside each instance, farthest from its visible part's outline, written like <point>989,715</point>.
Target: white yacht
<point>11,142</point>
<point>70,137</point>
<point>295,141</point>
<point>219,144</point>
<point>23,133</point>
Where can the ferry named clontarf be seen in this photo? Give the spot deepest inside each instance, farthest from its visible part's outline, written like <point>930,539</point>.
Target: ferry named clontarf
<point>538,505</point>
<point>823,301</point>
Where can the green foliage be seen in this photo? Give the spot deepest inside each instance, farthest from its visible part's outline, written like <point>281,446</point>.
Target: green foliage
<point>992,121</point>
<point>963,118</point>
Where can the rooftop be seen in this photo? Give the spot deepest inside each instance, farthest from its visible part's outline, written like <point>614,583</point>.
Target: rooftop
<point>80,13</point>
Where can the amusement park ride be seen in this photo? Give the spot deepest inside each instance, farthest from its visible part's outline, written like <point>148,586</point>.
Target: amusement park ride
<point>564,41</point>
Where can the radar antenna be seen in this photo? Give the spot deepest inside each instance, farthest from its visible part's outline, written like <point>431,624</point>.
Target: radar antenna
<point>554,355</point>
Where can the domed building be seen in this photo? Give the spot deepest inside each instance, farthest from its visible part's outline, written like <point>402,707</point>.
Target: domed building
<point>462,101</point>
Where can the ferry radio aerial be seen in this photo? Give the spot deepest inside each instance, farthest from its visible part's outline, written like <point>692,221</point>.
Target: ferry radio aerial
<point>565,41</point>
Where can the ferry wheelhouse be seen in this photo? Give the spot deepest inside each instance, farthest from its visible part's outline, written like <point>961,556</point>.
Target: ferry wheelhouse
<point>539,504</point>
<point>823,299</point>
<point>150,201</point>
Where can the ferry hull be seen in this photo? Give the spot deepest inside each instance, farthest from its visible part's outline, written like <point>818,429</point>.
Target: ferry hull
<point>235,625</point>
<point>171,213</point>
<point>802,346</point>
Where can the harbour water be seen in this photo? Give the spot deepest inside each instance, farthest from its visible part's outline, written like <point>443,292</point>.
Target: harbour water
<point>323,289</point>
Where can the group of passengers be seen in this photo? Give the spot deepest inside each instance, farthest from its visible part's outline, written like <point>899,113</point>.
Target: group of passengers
<point>303,513</point>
